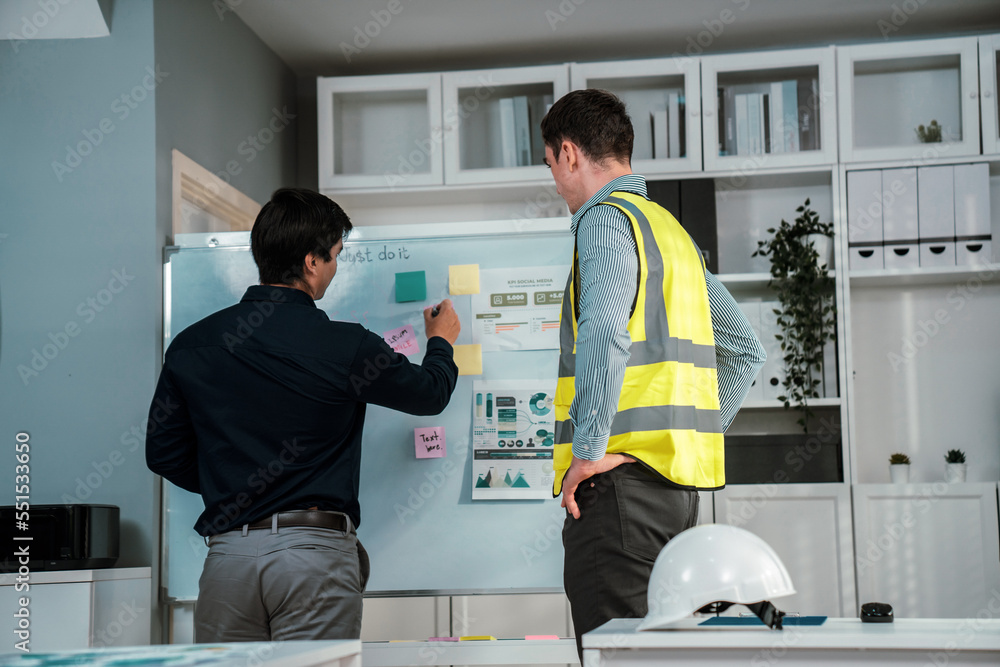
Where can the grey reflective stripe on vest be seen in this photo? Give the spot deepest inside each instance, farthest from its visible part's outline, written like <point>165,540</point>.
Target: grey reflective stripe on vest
<point>656,418</point>
<point>654,272</point>
<point>646,352</point>
<point>567,358</point>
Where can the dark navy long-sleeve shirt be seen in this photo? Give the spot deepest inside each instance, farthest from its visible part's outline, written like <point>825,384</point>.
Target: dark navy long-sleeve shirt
<point>260,406</point>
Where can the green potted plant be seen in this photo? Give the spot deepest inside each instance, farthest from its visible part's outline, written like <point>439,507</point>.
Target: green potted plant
<point>929,134</point>
<point>955,466</point>
<point>899,468</point>
<point>807,317</point>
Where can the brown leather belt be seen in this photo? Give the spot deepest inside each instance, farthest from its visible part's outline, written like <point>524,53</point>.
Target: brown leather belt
<point>307,518</point>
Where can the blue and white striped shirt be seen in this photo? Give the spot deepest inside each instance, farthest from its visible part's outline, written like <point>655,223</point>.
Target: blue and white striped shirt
<point>609,264</point>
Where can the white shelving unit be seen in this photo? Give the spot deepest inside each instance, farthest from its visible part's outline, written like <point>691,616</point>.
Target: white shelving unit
<point>886,90</point>
<point>475,135</point>
<point>380,132</point>
<point>989,88</point>
<point>803,80</point>
<point>661,92</point>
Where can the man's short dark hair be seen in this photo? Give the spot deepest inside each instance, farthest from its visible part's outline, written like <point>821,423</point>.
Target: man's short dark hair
<point>293,224</point>
<point>593,119</point>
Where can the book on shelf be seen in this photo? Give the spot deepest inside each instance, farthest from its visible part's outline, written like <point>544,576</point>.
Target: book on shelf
<point>522,129</point>
<point>658,121</point>
<point>753,123</point>
<point>742,124</point>
<point>538,106</point>
<point>765,122</point>
<point>730,120</point>
<point>808,112</point>
<point>508,132</point>
<point>776,119</point>
<point>674,125</point>
<point>790,106</point>
<point>682,126</point>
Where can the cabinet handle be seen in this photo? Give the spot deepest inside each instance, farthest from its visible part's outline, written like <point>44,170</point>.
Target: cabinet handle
<point>866,253</point>
<point>936,249</point>
<point>988,94</point>
<point>902,251</point>
<point>708,113</point>
<point>974,247</point>
<point>973,94</point>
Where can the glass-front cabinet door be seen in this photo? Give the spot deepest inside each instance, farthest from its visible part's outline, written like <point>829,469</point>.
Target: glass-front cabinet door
<point>909,100</point>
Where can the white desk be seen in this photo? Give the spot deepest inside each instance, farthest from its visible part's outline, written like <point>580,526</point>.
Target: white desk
<point>497,652</point>
<point>333,653</point>
<point>916,641</point>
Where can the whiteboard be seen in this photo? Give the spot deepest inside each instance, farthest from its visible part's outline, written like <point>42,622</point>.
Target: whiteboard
<point>424,533</point>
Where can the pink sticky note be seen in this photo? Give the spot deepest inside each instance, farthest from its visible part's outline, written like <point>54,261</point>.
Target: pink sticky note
<point>429,442</point>
<point>402,340</point>
<point>540,637</point>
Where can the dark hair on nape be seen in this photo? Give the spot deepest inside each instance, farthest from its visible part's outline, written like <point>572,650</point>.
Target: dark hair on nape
<point>593,119</point>
<point>293,224</point>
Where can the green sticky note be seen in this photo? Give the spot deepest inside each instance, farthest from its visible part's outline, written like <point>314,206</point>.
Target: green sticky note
<point>411,286</point>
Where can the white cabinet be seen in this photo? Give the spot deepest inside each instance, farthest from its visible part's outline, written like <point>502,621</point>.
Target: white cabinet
<point>74,609</point>
<point>492,122</point>
<point>809,526</point>
<point>379,131</point>
<point>989,86</point>
<point>929,550</point>
<point>663,98</point>
<point>769,110</point>
<point>887,91</point>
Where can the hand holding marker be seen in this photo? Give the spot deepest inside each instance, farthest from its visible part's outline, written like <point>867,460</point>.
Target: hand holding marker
<point>442,320</point>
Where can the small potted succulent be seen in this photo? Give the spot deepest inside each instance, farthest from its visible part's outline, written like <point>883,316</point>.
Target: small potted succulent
<point>955,469</point>
<point>899,468</point>
<point>929,134</point>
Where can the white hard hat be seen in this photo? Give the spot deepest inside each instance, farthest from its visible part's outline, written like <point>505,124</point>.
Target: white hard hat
<point>715,563</point>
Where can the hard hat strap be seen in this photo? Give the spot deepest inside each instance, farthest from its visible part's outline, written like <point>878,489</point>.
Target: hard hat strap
<point>767,613</point>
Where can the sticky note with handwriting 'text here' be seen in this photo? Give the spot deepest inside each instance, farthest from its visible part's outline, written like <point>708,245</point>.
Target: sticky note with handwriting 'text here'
<point>463,279</point>
<point>469,359</point>
<point>411,286</point>
<point>430,442</point>
<point>402,340</point>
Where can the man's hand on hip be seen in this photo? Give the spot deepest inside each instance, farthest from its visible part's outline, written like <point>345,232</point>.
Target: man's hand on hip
<point>580,470</point>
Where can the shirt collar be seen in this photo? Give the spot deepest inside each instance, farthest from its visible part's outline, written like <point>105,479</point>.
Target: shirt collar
<point>628,183</point>
<point>277,294</point>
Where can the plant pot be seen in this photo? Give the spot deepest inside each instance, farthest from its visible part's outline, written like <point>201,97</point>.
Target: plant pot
<point>954,472</point>
<point>824,248</point>
<point>899,473</point>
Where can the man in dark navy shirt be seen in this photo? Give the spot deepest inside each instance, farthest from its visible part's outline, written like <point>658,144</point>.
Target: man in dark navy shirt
<point>260,409</point>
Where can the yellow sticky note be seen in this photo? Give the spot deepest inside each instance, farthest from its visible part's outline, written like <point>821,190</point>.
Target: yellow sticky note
<point>469,359</point>
<point>463,279</point>
<point>478,638</point>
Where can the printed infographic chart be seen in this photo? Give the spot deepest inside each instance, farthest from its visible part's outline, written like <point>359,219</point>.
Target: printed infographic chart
<point>513,432</point>
<point>518,308</point>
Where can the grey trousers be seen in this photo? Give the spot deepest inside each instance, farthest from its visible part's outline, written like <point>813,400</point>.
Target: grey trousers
<point>298,583</point>
<point>627,515</point>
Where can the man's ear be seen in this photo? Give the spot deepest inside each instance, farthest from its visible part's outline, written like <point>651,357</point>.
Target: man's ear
<point>572,153</point>
<point>310,264</point>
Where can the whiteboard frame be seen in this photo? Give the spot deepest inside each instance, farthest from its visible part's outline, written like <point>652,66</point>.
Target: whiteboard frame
<point>240,240</point>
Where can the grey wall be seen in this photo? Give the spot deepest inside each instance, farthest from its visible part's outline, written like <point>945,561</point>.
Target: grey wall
<point>229,94</point>
<point>77,345</point>
<point>85,187</point>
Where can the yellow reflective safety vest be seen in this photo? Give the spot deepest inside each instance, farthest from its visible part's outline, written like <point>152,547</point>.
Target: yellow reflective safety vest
<point>668,411</point>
